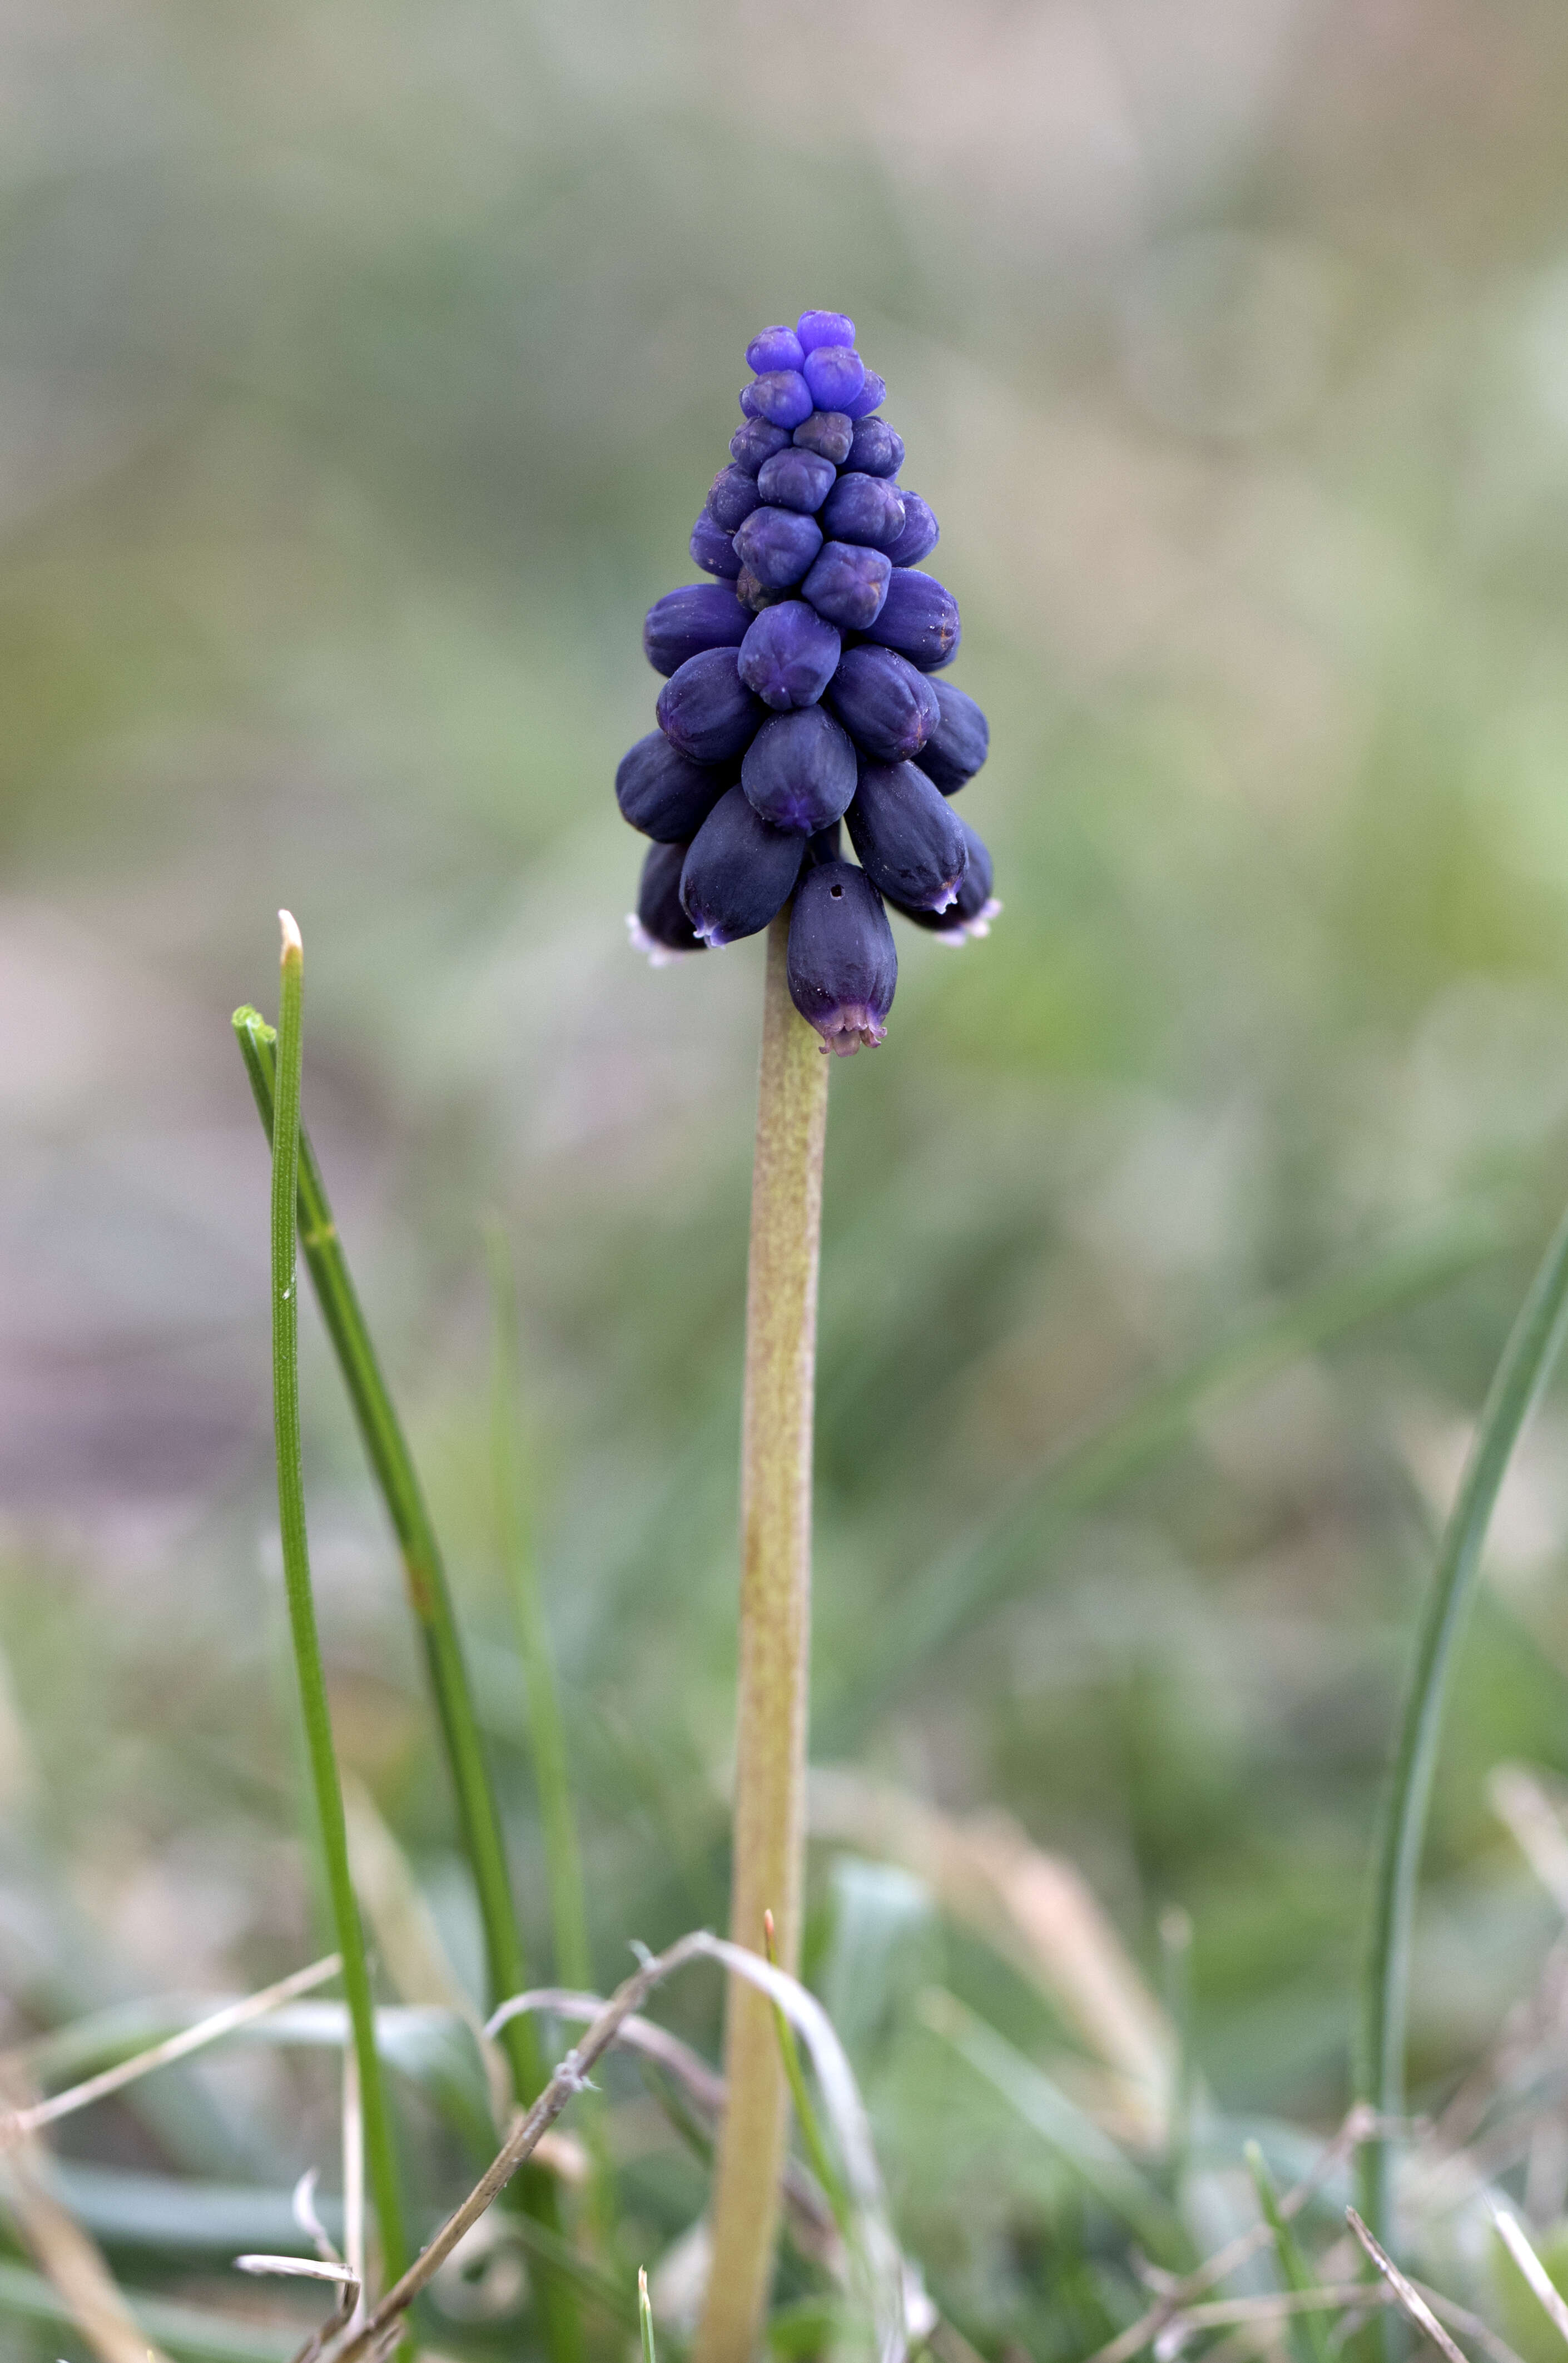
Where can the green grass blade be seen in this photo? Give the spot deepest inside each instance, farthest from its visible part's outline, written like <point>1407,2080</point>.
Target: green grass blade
<point>822,2166</point>
<point>1526,1364</point>
<point>392,1465</point>
<point>1308,2333</point>
<point>379,2154</point>
<point>190,2333</point>
<point>645,2317</point>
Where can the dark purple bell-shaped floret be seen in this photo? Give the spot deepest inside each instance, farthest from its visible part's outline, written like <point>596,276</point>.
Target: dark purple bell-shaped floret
<point>863,508</point>
<point>828,432</point>
<point>835,374</point>
<point>659,926</point>
<point>976,906</point>
<point>757,439</point>
<point>877,448</point>
<point>888,709</point>
<point>665,794</point>
<point>713,548</point>
<point>910,841</point>
<point>816,328</point>
<point>919,618</point>
<point>800,770</point>
<point>795,479</point>
<point>775,349</point>
<point>920,535</point>
<point>959,744</point>
<point>777,545</point>
<point>705,709</point>
<point>848,584</point>
<point>731,497</point>
<point>843,961</point>
<point>789,655</point>
<point>699,616</point>
<point>824,844</point>
<point>738,871</point>
<point>782,396</point>
<point>872,396</point>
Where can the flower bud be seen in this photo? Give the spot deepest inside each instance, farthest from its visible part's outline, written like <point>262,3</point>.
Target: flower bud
<point>919,618</point>
<point>665,794</point>
<point>699,616</point>
<point>877,448</point>
<point>738,872</point>
<point>799,771</point>
<point>920,535</point>
<point>843,961</point>
<point>713,548</point>
<point>757,441</point>
<point>829,432</point>
<point>775,349</point>
<point>781,396</point>
<point>732,496</point>
<point>864,509</point>
<point>789,655</point>
<point>816,328</point>
<point>872,396</point>
<point>705,710</point>
<point>848,584</point>
<point>959,744</point>
<point>835,374</point>
<point>910,841</point>
<point>777,545</point>
<point>659,926</point>
<point>754,596</point>
<point>795,479</point>
<point>888,709</point>
<point>975,908</point>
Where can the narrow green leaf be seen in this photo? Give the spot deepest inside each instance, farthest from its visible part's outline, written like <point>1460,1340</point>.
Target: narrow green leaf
<point>1308,2333</point>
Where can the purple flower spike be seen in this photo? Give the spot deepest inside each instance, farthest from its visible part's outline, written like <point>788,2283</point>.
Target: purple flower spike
<point>910,841</point>
<point>731,497</point>
<point>781,396</point>
<point>705,709</point>
<point>665,794</point>
<point>969,917</point>
<point>775,349</point>
<point>865,509</point>
<point>757,441</point>
<point>848,584</point>
<point>835,374</point>
<point>795,479</point>
<point>920,535</point>
<point>876,448</point>
<point>699,616</point>
<point>659,926</point>
<point>843,961</point>
<point>888,709</point>
<point>777,545</point>
<point>712,548</point>
<point>919,618</point>
<point>830,432</point>
<point>789,655</point>
<point>799,771</point>
<point>816,328</point>
<point>738,872</point>
<point>872,396</point>
<point>959,743</point>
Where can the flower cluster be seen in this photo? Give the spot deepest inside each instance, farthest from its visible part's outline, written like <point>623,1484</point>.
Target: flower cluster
<point>800,693</point>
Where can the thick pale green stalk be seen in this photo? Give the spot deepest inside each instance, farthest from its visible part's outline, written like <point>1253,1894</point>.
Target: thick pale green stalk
<point>317,1717</point>
<point>397,1481</point>
<point>775,1624</point>
<point>1525,1366</point>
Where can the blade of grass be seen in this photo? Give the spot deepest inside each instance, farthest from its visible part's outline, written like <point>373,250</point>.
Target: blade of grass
<point>645,2316</point>
<point>186,2331</point>
<point>379,2153</point>
<point>1308,2333</point>
<point>392,1465</point>
<point>1526,1364</point>
<point>822,2166</point>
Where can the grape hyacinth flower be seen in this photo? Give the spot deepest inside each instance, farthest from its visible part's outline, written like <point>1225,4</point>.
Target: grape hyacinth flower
<point>802,685</point>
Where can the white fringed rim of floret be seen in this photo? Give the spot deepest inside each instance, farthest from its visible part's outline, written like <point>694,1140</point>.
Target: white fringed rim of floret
<point>977,927</point>
<point>852,1028</point>
<point>657,954</point>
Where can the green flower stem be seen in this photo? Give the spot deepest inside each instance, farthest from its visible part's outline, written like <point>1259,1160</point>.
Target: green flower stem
<point>379,2154</point>
<point>776,1615</point>
<point>1526,1364</point>
<point>430,1599</point>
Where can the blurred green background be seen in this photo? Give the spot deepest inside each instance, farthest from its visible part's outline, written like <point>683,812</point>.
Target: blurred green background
<point>361,371</point>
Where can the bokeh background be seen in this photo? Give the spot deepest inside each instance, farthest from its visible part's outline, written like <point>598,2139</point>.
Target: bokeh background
<point>361,369</point>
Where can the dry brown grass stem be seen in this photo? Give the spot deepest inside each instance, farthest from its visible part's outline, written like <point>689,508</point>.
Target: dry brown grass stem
<point>1404,2290</point>
<point>69,2258</point>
